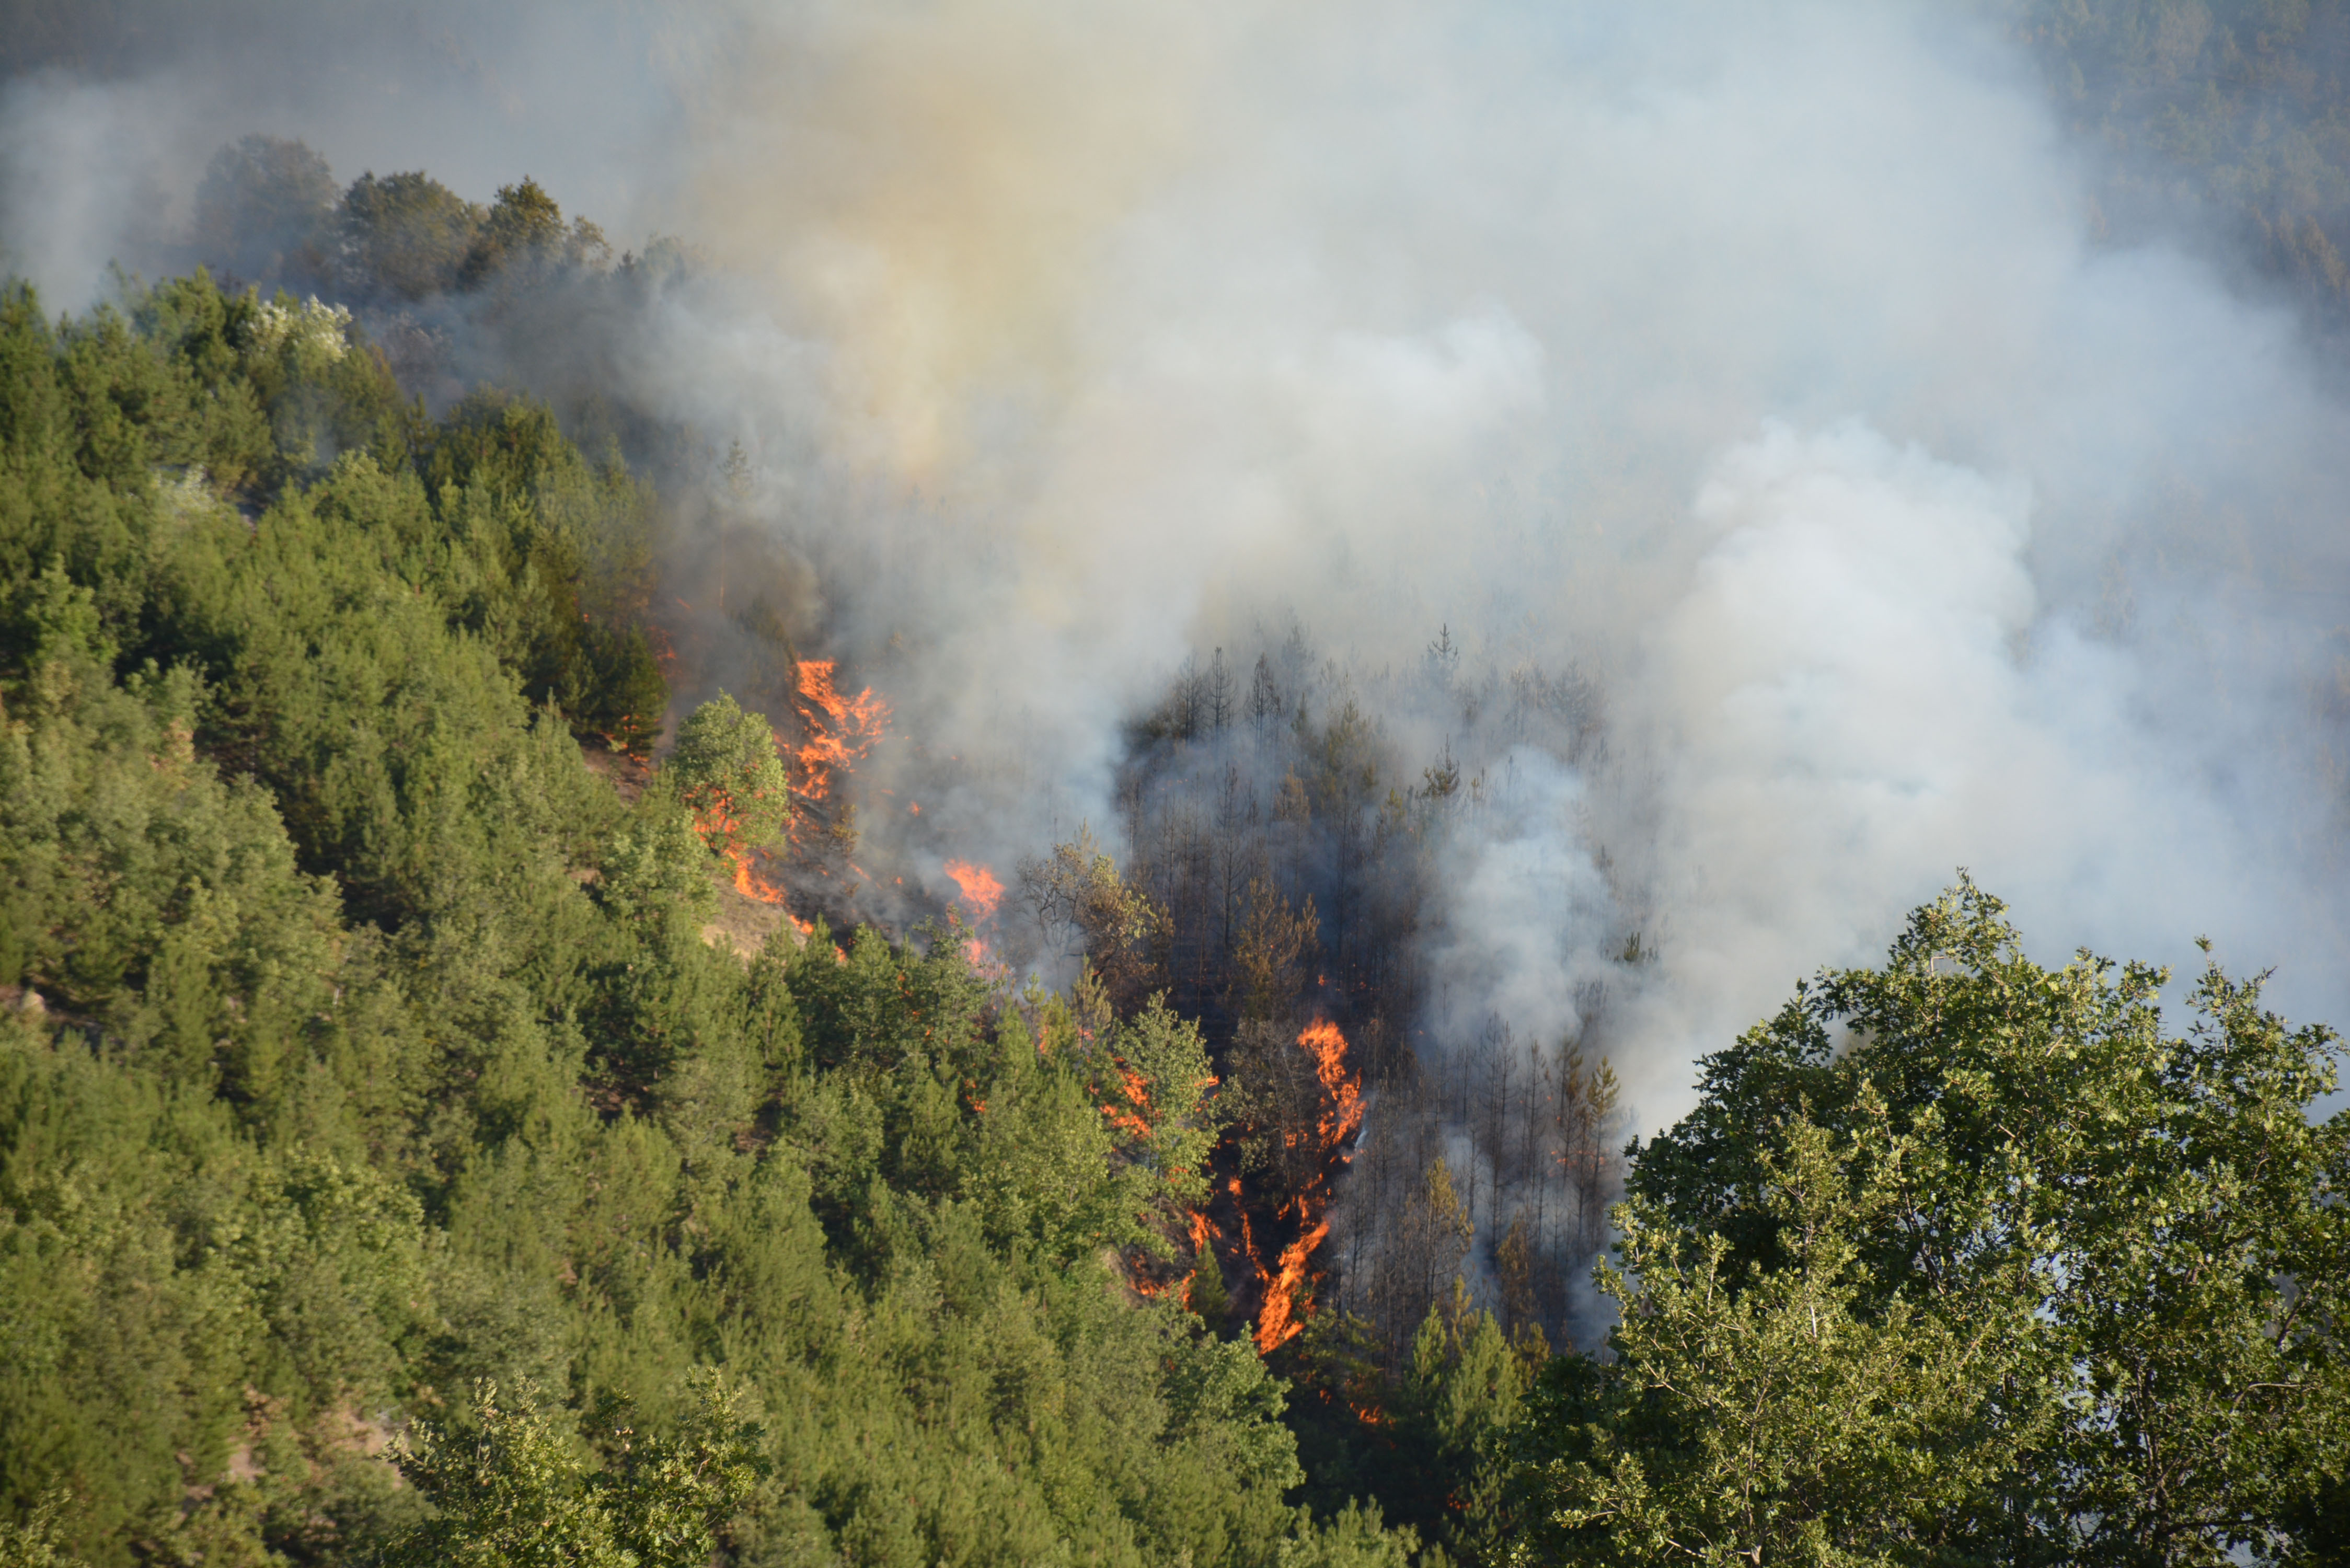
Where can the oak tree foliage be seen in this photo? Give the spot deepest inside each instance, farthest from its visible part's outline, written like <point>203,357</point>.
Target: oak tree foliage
<point>2010,1273</point>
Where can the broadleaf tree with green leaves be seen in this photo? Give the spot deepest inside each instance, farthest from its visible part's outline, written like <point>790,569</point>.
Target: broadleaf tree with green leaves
<point>2005,1274</point>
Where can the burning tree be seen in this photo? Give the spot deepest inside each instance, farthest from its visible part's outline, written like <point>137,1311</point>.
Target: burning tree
<point>726,772</point>
<point>1296,1104</point>
<point>840,729</point>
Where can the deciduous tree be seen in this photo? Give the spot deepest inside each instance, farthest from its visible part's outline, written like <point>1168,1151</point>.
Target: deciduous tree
<point>2013,1275</point>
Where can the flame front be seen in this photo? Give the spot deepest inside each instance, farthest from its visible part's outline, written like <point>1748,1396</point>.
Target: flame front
<point>1277,1321</point>
<point>840,730</point>
<point>981,891</point>
<point>751,884</point>
<point>1138,1093</point>
<point>1202,1256</point>
<point>1345,1114</point>
<point>1286,1283</point>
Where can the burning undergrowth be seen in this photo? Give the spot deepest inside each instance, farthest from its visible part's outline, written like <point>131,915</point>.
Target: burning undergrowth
<point>1315,866</point>
<point>1353,878</point>
<point>734,621</point>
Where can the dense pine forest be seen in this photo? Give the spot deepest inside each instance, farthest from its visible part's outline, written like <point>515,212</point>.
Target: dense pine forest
<point>464,1098</point>
<point>369,1075</point>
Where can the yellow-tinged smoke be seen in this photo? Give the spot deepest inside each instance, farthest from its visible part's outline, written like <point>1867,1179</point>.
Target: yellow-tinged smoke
<point>929,185</point>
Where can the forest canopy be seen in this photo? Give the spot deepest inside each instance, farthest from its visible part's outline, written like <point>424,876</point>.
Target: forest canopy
<point>367,1075</point>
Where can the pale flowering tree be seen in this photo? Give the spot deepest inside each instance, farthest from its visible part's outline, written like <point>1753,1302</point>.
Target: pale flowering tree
<point>307,337</point>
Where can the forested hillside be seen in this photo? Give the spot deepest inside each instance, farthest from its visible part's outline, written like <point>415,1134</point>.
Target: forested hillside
<point>2232,119</point>
<point>392,1165</point>
<point>470,1091</point>
<point>364,1051</point>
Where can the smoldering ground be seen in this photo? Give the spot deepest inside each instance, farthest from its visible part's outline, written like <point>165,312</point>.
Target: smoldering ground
<point>1760,369</point>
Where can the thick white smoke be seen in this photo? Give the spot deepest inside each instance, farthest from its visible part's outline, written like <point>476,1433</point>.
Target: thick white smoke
<point>1758,359</point>
<point>1863,668</point>
<point>1764,362</point>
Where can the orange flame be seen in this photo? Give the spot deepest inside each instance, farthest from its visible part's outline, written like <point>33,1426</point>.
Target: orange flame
<point>1276,1321</point>
<point>751,884</point>
<point>1139,1093</point>
<point>1344,1115</point>
<point>979,887</point>
<point>1202,1256</point>
<point>1285,1284</point>
<point>840,730</point>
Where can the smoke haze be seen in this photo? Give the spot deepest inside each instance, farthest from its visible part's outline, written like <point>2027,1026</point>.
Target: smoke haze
<point>1764,367</point>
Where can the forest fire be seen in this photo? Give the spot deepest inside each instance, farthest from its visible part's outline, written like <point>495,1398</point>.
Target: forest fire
<point>980,888</point>
<point>752,886</point>
<point>1277,1321</point>
<point>1344,1115</point>
<point>1137,1095</point>
<point>840,730</point>
<point>978,892</point>
<point>1286,1283</point>
<point>764,838</point>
